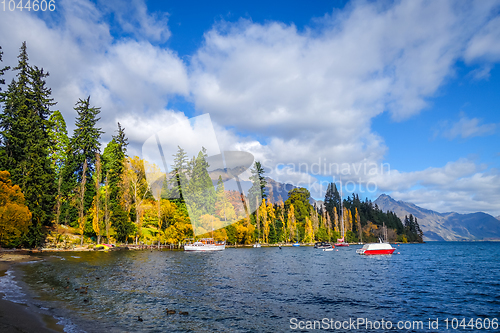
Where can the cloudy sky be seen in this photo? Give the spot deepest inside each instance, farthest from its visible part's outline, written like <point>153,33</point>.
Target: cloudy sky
<point>397,97</point>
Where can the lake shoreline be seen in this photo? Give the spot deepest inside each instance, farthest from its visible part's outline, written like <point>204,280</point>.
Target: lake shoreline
<point>16,317</point>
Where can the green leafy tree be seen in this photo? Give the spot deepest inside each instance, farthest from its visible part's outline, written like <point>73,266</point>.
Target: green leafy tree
<point>59,141</point>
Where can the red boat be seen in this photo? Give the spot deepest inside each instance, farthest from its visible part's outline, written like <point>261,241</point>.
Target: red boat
<point>376,248</point>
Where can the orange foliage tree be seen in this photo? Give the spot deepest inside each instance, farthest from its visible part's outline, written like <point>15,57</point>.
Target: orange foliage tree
<point>15,217</point>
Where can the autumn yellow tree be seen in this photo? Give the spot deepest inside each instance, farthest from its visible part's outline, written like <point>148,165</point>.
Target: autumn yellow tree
<point>107,211</point>
<point>15,217</point>
<point>156,178</point>
<point>82,218</point>
<point>271,214</point>
<point>96,204</point>
<point>358,225</point>
<point>281,217</point>
<point>263,221</point>
<point>139,188</point>
<point>328,223</point>
<point>309,232</point>
<point>336,220</point>
<point>314,220</point>
<point>292,223</point>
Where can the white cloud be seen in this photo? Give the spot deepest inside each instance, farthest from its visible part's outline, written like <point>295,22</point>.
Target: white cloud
<point>468,128</point>
<point>485,45</point>
<point>123,77</point>
<point>133,19</point>
<point>287,96</point>
<point>313,94</point>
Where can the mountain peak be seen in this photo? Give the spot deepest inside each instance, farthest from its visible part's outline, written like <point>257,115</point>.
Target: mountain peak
<point>444,226</point>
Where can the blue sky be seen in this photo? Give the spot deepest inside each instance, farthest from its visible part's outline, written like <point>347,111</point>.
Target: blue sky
<point>411,85</point>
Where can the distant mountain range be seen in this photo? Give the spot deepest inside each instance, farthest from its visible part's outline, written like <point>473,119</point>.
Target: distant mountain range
<point>445,226</point>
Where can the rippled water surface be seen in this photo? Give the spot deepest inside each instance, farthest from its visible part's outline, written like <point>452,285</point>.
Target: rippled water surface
<point>260,290</point>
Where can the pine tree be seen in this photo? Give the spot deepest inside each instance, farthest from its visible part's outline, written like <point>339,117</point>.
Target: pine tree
<point>24,139</point>
<point>83,147</point>
<point>199,193</point>
<point>113,161</point>
<point>332,198</point>
<point>2,72</point>
<point>178,175</point>
<point>258,190</point>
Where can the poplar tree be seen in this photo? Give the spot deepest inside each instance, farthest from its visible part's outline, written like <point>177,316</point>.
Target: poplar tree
<point>358,224</point>
<point>96,207</point>
<point>292,222</point>
<point>59,141</point>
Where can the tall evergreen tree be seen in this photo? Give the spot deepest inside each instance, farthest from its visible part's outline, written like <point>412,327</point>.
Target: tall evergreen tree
<point>25,141</point>
<point>258,190</point>
<point>83,146</point>
<point>113,160</point>
<point>178,175</point>
<point>332,198</point>
<point>2,72</point>
<point>199,192</point>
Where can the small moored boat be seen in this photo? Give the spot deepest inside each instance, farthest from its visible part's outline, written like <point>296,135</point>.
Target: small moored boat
<point>324,246</point>
<point>376,248</point>
<point>383,247</point>
<point>205,244</point>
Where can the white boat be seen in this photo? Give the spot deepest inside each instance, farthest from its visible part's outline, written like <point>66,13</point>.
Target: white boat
<point>383,247</point>
<point>376,248</point>
<point>324,246</point>
<point>256,245</point>
<point>205,244</point>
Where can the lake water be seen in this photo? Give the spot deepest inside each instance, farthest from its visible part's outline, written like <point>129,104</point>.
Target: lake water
<point>261,290</point>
